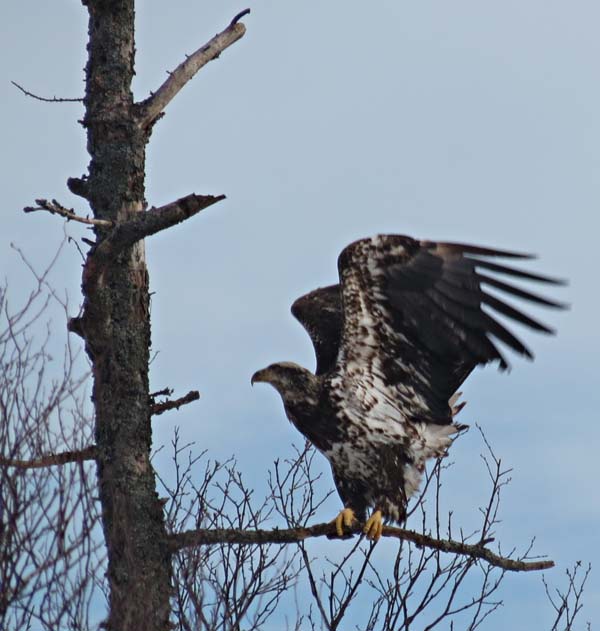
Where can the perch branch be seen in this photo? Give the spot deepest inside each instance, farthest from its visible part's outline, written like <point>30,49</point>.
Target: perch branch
<point>54,99</point>
<point>159,408</point>
<point>295,535</point>
<point>55,208</point>
<point>64,457</point>
<point>151,108</point>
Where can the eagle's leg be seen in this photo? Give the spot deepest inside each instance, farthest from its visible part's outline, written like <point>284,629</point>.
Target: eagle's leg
<point>345,519</point>
<point>374,526</point>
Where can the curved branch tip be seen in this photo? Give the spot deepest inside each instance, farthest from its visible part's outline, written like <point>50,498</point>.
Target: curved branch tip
<point>239,16</point>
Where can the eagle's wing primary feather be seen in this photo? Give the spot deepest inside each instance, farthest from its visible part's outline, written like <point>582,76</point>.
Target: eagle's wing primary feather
<point>320,313</point>
<point>413,312</point>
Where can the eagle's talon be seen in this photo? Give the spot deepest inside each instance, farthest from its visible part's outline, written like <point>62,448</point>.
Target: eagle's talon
<point>374,526</point>
<point>345,518</point>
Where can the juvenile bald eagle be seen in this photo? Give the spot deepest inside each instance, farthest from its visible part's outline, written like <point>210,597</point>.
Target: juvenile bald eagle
<point>394,341</point>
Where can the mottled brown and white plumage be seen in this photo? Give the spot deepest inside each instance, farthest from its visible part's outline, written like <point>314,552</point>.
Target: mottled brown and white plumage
<point>394,341</point>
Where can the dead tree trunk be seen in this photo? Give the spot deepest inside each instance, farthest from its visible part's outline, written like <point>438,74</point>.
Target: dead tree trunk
<point>115,321</point>
<point>116,328</point>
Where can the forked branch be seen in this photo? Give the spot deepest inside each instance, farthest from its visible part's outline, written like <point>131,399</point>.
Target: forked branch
<point>295,535</point>
<point>54,208</point>
<point>141,225</point>
<point>152,107</point>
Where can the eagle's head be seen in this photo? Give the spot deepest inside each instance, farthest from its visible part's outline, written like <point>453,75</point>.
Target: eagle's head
<point>294,383</point>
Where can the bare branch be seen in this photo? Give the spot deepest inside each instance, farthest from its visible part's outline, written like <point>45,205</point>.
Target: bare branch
<point>159,408</point>
<point>290,535</point>
<point>55,208</point>
<point>78,455</point>
<point>313,587</point>
<point>54,99</point>
<point>568,602</point>
<point>223,586</point>
<point>152,107</point>
<point>145,224</point>
<point>51,557</point>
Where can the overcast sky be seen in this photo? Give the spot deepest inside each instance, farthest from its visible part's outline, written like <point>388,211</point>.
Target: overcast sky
<point>329,121</point>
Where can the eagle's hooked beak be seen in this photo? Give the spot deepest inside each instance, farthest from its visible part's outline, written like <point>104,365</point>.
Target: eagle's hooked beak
<point>260,376</point>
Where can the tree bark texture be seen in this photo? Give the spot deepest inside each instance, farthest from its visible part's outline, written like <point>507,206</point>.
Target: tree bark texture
<point>116,327</point>
<point>115,322</point>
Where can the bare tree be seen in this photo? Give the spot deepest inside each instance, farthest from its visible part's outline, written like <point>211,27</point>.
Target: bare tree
<point>50,551</point>
<point>207,557</point>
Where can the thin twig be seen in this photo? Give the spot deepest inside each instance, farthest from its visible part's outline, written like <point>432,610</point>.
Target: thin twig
<point>54,99</point>
<point>165,392</point>
<point>313,587</point>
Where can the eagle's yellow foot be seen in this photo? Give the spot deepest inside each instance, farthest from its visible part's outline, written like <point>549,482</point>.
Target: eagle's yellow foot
<point>374,526</point>
<point>345,518</point>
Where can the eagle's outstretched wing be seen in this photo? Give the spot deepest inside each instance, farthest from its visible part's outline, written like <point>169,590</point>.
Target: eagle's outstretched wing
<point>414,315</point>
<point>320,313</point>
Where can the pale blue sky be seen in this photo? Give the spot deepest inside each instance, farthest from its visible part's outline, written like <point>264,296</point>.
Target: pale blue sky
<point>462,120</point>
